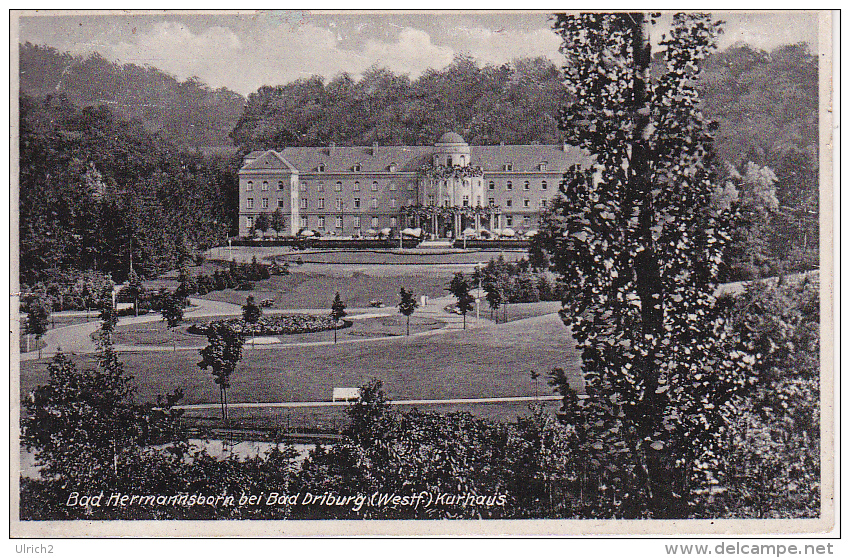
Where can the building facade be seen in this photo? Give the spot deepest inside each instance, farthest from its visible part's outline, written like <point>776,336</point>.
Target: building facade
<point>444,189</point>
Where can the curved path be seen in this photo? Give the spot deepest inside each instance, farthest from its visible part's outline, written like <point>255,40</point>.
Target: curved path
<point>77,338</point>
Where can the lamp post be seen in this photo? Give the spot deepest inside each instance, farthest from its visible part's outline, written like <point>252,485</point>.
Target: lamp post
<point>230,249</point>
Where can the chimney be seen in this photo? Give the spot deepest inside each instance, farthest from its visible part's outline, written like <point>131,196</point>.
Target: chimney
<point>501,144</point>
<point>564,146</point>
<point>331,148</point>
<point>374,148</point>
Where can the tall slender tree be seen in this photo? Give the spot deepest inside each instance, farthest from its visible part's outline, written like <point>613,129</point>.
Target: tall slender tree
<point>222,354</point>
<point>337,312</point>
<point>407,305</point>
<point>38,318</point>
<point>638,245</point>
<point>459,287</point>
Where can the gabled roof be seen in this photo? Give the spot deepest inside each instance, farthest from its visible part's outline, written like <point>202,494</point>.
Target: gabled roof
<point>492,158</point>
<point>271,160</point>
<point>370,159</point>
<point>526,158</point>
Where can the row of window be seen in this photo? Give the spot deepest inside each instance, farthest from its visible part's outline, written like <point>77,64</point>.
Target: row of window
<point>321,221</point>
<point>526,203</point>
<point>320,203</point>
<point>509,185</point>
<point>357,167</point>
<point>320,186</point>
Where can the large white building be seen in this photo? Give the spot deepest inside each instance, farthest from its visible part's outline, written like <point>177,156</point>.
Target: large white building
<point>347,191</point>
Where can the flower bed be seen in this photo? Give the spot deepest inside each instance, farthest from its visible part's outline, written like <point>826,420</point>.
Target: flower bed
<point>276,325</point>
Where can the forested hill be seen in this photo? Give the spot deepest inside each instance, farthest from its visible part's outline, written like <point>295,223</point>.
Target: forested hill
<point>189,113</point>
<point>766,105</point>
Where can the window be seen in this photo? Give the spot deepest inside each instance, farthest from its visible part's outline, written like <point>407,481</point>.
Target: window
<point>339,204</point>
<point>509,167</point>
<point>526,221</point>
<point>409,201</point>
<point>321,203</point>
<point>526,202</point>
<point>249,203</point>
<point>431,201</point>
<point>543,204</point>
<point>280,184</point>
<point>320,187</point>
<point>478,201</point>
<point>392,186</point>
<point>465,201</point>
<point>492,185</point>
<point>265,186</point>
<point>526,185</point>
<point>509,185</point>
<point>356,186</point>
<point>249,187</point>
<point>303,186</point>
<point>338,187</point>
<point>339,221</point>
<point>509,203</point>
<point>357,222</point>
<point>393,221</point>
<point>392,167</point>
<point>449,162</point>
<point>374,203</point>
<point>303,222</point>
<point>280,204</point>
<point>392,202</point>
<point>543,185</point>
<point>542,165</point>
<point>356,203</point>
<point>321,222</point>
<point>321,167</point>
<point>462,160</point>
<point>374,222</point>
<point>492,202</point>
<point>249,220</point>
<point>509,220</point>
<point>303,204</point>
<point>265,203</point>
<point>357,167</point>
<point>375,186</point>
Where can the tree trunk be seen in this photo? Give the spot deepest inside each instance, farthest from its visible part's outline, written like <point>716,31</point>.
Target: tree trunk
<point>408,326</point>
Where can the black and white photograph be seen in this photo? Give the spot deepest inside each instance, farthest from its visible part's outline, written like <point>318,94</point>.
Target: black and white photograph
<point>403,273</point>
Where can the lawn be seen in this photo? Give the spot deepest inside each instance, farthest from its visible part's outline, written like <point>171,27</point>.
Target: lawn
<point>490,361</point>
<point>309,290</point>
<point>157,333</point>
<point>383,257</point>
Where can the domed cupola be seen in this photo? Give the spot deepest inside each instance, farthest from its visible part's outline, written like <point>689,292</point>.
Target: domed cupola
<point>451,150</point>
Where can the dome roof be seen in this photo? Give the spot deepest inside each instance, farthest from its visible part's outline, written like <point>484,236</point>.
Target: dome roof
<point>451,137</point>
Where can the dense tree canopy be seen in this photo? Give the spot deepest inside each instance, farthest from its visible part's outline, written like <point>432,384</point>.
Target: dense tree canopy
<point>90,182</point>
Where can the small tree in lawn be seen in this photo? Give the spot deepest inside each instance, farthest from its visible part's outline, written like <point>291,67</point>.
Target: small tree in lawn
<point>459,287</point>
<point>38,318</point>
<point>251,313</point>
<point>109,319</point>
<point>135,289</point>
<point>337,312</point>
<point>172,313</point>
<point>407,305</point>
<point>262,223</point>
<point>222,354</point>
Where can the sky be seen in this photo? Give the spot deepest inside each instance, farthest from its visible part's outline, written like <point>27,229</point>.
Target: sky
<point>243,51</point>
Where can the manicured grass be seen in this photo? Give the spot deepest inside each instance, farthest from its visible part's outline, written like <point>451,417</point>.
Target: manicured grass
<point>157,333</point>
<point>381,257</point>
<point>307,290</point>
<point>490,361</point>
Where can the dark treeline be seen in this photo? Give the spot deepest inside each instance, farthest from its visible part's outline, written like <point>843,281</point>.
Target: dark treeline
<point>90,182</point>
<point>512,103</point>
<point>189,113</point>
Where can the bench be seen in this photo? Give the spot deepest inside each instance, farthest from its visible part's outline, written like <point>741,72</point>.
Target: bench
<point>346,394</point>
